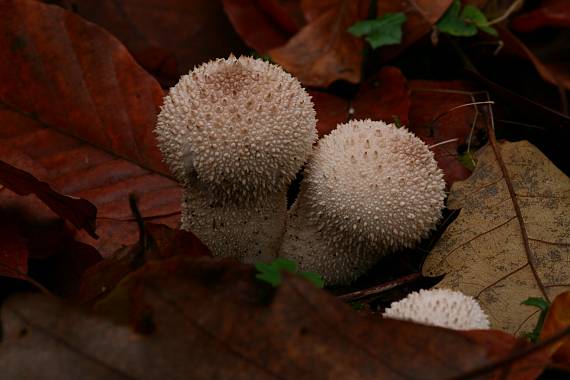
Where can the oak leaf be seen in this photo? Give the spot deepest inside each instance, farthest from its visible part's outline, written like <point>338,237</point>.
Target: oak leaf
<point>511,240</point>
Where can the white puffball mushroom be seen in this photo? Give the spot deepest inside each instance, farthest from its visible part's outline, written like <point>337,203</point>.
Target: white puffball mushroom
<point>440,307</point>
<point>243,126</point>
<point>370,188</point>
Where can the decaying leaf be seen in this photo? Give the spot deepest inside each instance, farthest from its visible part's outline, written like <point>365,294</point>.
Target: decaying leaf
<point>265,24</point>
<point>557,319</point>
<point>384,96</point>
<point>324,51</point>
<point>77,108</point>
<point>210,319</point>
<point>497,255</point>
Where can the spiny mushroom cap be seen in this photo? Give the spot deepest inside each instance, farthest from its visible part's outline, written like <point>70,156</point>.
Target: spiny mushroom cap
<point>374,185</point>
<point>243,125</point>
<point>440,307</point>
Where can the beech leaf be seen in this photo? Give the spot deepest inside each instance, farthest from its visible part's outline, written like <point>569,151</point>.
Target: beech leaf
<point>511,240</point>
<point>210,319</point>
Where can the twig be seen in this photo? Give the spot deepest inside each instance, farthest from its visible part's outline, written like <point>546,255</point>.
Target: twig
<point>443,142</point>
<point>514,6</point>
<point>514,200</point>
<point>379,288</point>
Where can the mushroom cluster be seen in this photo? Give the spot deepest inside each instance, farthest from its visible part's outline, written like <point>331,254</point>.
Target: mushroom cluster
<point>236,131</point>
<point>440,307</point>
<point>370,188</point>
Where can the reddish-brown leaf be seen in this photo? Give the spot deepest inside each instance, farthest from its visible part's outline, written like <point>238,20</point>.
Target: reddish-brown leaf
<point>264,24</point>
<point>558,319</point>
<point>500,345</point>
<point>206,318</point>
<point>80,212</point>
<point>324,51</point>
<point>421,17</point>
<point>75,105</point>
<point>433,100</point>
<point>167,37</point>
<point>549,13</point>
<point>383,96</point>
<point>13,250</point>
<point>163,242</point>
<point>557,73</point>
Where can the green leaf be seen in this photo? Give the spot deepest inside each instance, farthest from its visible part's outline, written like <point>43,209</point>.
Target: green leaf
<point>468,160</point>
<point>385,30</point>
<point>315,278</point>
<point>271,273</point>
<point>543,305</point>
<point>452,24</point>
<point>465,23</point>
<point>473,15</point>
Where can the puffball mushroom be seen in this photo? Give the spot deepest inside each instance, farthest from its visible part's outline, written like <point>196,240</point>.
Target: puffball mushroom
<point>235,132</point>
<point>242,125</point>
<point>370,188</point>
<point>440,307</point>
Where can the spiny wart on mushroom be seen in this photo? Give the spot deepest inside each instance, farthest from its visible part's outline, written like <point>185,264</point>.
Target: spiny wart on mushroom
<point>440,307</point>
<point>243,126</point>
<point>370,188</point>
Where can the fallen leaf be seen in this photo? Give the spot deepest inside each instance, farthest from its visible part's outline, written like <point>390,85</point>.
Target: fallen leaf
<point>13,250</point>
<point>384,96</point>
<point>323,51</point>
<point>265,24</point>
<point>80,212</point>
<point>75,104</point>
<point>558,319</point>
<point>421,18</point>
<point>211,319</point>
<point>500,345</point>
<point>501,256</point>
<point>434,119</point>
<point>167,37</point>
<point>556,73</point>
<point>163,242</point>
<point>549,13</point>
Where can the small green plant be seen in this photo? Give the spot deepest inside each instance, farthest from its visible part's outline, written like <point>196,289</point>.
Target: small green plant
<point>385,30</point>
<point>271,273</point>
<point>543,305</point>
<point>464,23</point>
<point>468,160</point>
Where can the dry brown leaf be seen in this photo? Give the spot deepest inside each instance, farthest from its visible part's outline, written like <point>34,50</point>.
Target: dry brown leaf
<point>324,51</point>
<point>210,319</point>
<point>483,251</point>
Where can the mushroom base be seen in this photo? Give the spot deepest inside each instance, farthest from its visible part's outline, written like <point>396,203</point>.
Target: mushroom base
<point>306,244</point>
<point>249,233</point>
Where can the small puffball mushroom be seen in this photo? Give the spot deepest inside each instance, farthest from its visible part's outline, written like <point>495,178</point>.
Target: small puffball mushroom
<point>440,307</point>
<point>370,188</point>
<point>242,125</point>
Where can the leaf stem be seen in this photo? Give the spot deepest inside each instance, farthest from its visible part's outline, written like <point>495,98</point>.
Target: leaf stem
<point>514,200</point>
